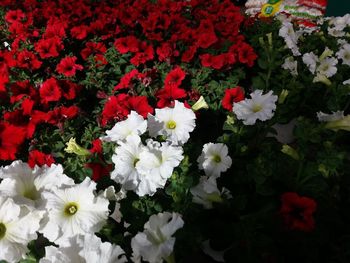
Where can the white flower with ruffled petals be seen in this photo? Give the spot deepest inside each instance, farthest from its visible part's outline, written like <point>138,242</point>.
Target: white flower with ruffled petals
<point>344,54</point>
<point>126,156</point>
<point>327,67</point>
<point>63,254</point>
<point>290,37</point>
<point>206,192</point>
<point>310,60</point>
<point>214,159</point>
<point>73,210</point>
<point>259,107</point>
<point>82,249</point>
<point>18,226</point>
<point>156,165</point>
<point>94,250</point>
<point>174,123</point>
<point>291,65</point>
<point>133,125</point>
<point>156,243</point>
<point>25,185</point>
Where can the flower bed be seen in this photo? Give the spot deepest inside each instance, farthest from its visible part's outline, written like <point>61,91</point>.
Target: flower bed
<point>172,131</point>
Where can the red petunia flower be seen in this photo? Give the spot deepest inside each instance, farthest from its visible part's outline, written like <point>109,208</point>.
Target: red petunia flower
<point>4,76</point>
<point>146,54</point>
<point>97,50</point>
<point>246,54</point>
<point>99,170</point>
<point>56,29</point>
<point>232,95</point>
<point>22,89</point>
<point>27,60</point>
<point>67,66</point>
<point>60,114</point>
<point>188,55</point>
<point>127,44</point>
<point>167,95</point>
<point>96,146</point>
<point>165,51</point>
<point>207,39</point>
<point>15,16</point>
<point>11,137</point>
<point>50,91</point>
<point>140,105</point>
<point>125,81</point>
<point>50,47</point>
<point>69,89</point>
<point>114,109</point>
<point>174,77</point>
<point>297,211</point>
<point>80,32</point>
<point>39,158</point>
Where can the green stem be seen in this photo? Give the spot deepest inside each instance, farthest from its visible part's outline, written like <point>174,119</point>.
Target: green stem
<point>300,170</point>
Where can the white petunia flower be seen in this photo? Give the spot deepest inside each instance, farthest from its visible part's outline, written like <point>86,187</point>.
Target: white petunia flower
<point>133,125</point>
<point>83,249</point>
<point>206,192</point>
<point>94,250</point>
<point>290,37</point>
<point>324,66</point>
<point>18,226</point>
<point>156,165</point>
<point>259,107</point>
<point>310,60</point>
<point>327,67</point>
<point>335,116</point>
<point>291,65</point>
<point>126,156</point>
<point>156,243</point>
<point>214,159</point>
<point>73,210</point>
<point>337,25</point>
<point>174,123</point>
<point>344,54</point>
<point>25,185</point>
<point>63,254</point>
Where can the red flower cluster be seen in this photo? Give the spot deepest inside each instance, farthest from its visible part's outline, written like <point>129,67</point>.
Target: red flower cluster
<point>118,107</point>
<point>297,211</point>
<point>39,158</point>
<point>171,90</point>
<point>56,39</point>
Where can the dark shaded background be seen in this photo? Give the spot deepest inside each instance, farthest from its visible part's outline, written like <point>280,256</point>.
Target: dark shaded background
<point>338,7</point>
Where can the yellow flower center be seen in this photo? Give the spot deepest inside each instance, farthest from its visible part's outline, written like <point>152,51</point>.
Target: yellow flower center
<point>217,158</point>
<point>71,209</point>
<point>171,125</point>
<point>135,161</point>
<point>2,230</point>
<point>347,56</point>
<point>257,108</point>
<point>31,194</point>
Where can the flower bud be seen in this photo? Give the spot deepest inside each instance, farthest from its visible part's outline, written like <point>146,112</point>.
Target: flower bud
<point>200,104</point>
<point>73,147</point>
<point>342,124</point>
<point>286,149</point>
